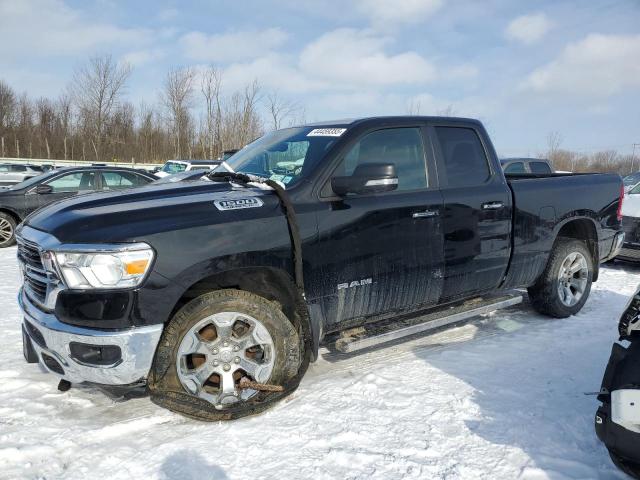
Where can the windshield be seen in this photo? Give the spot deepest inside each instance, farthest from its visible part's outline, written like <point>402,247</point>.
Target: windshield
<point>284,155</point>
<point>632,179</point>
<point>174,167</point>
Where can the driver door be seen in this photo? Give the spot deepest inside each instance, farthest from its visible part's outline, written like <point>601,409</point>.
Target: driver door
<point>382,252</point>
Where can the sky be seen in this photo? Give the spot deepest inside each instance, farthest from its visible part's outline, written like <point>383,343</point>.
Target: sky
<point>525,68</point>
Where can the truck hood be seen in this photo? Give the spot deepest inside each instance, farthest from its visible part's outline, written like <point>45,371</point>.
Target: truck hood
<point>130,215</point>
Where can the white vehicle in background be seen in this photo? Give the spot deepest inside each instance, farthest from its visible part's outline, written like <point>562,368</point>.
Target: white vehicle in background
<point>12,173</point>
<point>179,166</point>
<point>631,181</point>
<point>631,223</point>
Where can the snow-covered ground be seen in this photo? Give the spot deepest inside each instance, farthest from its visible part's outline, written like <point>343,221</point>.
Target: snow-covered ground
<point>502,397</point>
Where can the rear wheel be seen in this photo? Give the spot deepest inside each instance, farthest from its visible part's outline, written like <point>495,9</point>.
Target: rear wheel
<point>7,230</point>
<point>216,345</point>
<point>565,284</point>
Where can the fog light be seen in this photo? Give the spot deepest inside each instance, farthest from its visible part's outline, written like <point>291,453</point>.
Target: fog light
<point>95,354</point>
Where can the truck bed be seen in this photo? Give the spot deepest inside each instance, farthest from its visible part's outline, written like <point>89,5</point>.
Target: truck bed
<point>542,202</point>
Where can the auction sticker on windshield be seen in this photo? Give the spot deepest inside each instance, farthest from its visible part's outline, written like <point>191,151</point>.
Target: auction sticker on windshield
<point>326,132</point>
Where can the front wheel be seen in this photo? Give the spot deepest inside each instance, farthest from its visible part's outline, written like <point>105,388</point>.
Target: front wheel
<point>565,284</point>
<point>219,343</point>
<point>7,230</point>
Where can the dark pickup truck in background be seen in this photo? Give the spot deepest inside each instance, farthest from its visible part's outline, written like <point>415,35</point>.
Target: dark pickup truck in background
<point>216,295</point>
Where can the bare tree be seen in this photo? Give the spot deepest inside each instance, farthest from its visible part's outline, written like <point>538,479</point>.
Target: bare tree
<point>449,111</point>
<point>280,110</point>
<point>176,98</point>
<point>96,89</point>
<point>211,84</point>
<point>413,107</point>
<point>7,112</point>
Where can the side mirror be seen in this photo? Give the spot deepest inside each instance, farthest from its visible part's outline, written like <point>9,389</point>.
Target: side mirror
<point>367,178</point>
<point>43,189</point>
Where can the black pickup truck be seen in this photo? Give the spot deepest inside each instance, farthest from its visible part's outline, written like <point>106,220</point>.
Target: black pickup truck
<point>215,295</point>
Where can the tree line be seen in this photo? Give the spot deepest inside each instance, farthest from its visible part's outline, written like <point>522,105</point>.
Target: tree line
<point>92,120</point>
<point>609,161</point>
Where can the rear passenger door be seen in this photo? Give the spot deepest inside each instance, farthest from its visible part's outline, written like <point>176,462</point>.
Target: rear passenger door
<point>382,252</point>
<point>477,212</point>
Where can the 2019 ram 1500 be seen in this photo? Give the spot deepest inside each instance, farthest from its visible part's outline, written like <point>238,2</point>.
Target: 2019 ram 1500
<point>216,295</point>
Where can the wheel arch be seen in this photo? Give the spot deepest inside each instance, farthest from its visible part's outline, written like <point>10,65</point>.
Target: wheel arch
<point>271,283</point>
<point>582,228</point>
<point>13,214</point>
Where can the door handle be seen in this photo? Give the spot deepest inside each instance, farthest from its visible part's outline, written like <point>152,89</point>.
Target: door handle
<point>425,214</point>
<point>492,205</point>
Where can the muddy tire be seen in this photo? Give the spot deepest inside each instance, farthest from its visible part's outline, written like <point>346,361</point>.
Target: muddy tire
<point>631,469</point>
<point>213,343</point>
<point>565,284</point>
<point>7,230</point>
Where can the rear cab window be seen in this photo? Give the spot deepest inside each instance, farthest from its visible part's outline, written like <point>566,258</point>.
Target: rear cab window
<point>515,167</point>
<point>539,167</point>
<point>465,161</point>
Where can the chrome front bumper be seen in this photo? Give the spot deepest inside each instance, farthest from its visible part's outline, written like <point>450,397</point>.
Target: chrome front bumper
<point>137,345</point>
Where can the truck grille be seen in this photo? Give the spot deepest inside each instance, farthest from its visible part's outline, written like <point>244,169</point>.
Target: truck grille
<point>36,281</point>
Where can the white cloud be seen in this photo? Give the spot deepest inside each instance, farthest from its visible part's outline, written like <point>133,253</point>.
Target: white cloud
<point>231,46</point>
<point>50,27</point>
<point>273,71</point>
<point>383,13</point>
<point>350,58</point>
<point>141,57</point>
<point>598,66</point>
<point>528,29</point>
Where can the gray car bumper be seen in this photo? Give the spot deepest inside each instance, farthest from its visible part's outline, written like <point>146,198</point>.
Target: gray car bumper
<point>51,338</point>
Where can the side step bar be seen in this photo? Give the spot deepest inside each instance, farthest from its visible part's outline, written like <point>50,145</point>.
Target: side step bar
<point>390,330</point>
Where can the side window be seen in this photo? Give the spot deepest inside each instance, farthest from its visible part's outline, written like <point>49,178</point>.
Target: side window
<point>73,182</point>
<point>18,168</point>
<point>400,146</point>
<point>515,167</point>
<point>539,167</point>
<point>464,159</point>
<point>4,168</point>
<point>118,180</point>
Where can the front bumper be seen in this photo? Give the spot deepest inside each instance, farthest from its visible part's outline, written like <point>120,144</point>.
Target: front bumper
<point>51,341</point>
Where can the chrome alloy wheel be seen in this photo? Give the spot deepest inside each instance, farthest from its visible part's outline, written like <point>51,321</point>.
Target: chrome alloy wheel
<point>572,279</point>
<point>6,230</point>
<point>218,351</point>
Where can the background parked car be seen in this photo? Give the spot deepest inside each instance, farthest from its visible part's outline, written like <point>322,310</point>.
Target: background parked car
<point>631,180</point>
<point>631,224</point>
<point>177,166</point>
<point>11,173</point>
<point>526,165</point>
<point>189,176</point>
<point>20,200</point>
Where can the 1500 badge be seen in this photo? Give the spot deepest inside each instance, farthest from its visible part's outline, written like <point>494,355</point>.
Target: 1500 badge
<point>355,283</point>
<point>237,204</point>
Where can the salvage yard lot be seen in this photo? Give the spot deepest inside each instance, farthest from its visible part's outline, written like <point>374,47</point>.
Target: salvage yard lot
<point>499,397</point>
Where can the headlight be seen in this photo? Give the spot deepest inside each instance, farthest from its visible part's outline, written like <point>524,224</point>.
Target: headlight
<point>105,269</point>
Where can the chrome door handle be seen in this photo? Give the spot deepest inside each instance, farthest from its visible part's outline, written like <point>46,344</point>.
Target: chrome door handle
<point>425,214</point>
<point>492,205</point>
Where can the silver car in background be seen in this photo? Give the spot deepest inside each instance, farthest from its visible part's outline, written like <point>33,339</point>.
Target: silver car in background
<point>12,173</point>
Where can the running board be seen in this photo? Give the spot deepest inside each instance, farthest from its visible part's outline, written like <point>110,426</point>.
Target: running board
<point>390,330</point>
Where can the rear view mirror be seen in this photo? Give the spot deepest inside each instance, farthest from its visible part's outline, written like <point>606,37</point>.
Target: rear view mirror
<point>367,178</point>
<point>44,189</point>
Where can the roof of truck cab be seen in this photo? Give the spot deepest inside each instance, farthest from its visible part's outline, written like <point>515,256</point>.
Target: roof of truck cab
<point>389,119</point>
